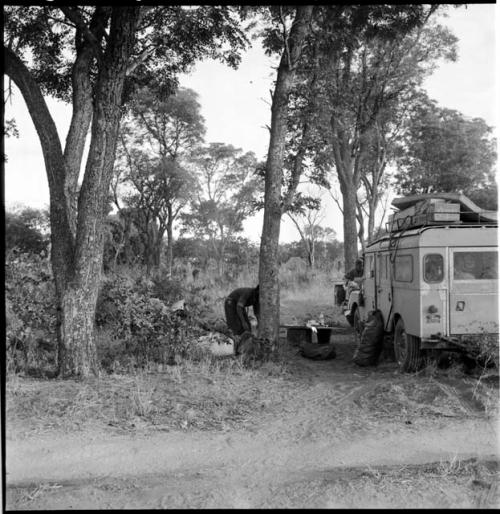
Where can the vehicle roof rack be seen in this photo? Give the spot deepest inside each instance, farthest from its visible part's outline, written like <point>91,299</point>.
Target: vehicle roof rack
<point>437,209</point>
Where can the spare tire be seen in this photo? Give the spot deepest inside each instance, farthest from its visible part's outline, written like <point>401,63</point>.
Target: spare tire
<point>371,341</point>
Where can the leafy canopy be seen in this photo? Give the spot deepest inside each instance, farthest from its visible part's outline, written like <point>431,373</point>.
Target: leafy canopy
<point>445,151</point>
<point>169,39</point>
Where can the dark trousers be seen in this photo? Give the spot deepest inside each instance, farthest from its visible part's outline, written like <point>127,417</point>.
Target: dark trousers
<point>233,321</point>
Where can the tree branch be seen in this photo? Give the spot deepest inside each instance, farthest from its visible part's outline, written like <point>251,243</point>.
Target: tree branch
<point>140,59</point>
<point>53,157</point>
<point>73,15</point>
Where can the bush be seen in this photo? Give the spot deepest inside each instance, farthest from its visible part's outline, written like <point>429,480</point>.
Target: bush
<point>30,311</point>
<point>138,325</point>
<point>486,347</point>
<point>27,231</point>
<point>135,321</point>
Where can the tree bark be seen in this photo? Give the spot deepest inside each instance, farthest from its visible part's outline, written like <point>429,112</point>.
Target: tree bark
<point>269,248</point>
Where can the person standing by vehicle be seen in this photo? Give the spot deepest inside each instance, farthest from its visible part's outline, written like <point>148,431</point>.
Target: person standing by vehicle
<point>354,278</point>
<point>235,308</point>
<point>355,272</point>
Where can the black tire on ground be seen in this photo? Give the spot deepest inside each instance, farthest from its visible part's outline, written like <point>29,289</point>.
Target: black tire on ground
<point>370,340</point>
<point>406,349</point>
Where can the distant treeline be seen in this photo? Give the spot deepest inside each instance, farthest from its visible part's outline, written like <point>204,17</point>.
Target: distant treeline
<point>27,230</point>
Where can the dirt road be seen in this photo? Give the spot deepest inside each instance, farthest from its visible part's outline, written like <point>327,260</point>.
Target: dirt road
<point>329,442</point>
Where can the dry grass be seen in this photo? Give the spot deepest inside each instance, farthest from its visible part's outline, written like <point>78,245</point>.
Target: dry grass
<point>447,484</point>
<point>216,394</point>
<point>437,395</point>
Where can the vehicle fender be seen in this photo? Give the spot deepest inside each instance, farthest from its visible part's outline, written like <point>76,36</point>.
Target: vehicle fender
<point>393,319</point>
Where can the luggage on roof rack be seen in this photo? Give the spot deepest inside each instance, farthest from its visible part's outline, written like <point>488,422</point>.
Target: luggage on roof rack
<point>436,209</point>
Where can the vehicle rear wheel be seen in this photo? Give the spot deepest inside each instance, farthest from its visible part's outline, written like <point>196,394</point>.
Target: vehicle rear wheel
<point>406,349</point>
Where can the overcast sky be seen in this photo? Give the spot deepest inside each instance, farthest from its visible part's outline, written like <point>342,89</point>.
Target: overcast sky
<point>236,108</point>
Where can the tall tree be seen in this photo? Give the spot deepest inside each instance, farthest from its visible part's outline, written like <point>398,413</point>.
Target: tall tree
<point>156,138</point>
<point>224,195</point>
<point>370,56</point>
<point>445,151</point>
<point>287,36</point>
<point>91,57</point>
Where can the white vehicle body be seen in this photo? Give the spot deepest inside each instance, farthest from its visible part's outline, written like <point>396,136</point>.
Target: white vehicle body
<point>412,278</point>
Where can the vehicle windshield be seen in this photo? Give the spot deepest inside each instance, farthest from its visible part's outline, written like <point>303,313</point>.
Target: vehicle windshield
<point>475,265</point>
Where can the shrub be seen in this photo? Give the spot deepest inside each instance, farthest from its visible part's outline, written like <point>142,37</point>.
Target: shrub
<point>26,230</point>
<point>135,321</point>
<point>487,349</point>
<point>30,311</point>
<point>144,327</point>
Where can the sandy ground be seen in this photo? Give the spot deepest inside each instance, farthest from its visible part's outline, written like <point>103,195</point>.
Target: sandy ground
<point>320,447</point>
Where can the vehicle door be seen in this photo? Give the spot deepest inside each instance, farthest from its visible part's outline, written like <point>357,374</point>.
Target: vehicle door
<point>383,285</point>
<point>474,290</point>
<point>369,290</point>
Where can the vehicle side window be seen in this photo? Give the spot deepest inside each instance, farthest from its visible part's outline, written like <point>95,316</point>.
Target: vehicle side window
<point>433,268</point>
<point>371,266</point>
<point>369,269</point>
<point>403,268</point>
<point>475,265</point>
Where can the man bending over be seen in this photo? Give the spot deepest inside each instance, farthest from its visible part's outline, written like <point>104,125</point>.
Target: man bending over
<point>235,308</point>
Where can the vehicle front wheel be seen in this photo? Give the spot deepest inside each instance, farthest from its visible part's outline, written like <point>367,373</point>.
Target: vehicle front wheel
<point>406,349</point>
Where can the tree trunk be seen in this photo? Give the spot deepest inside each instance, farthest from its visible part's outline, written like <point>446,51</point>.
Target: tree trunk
<point>349,223</point>
<point>77,354</point>
<point>269,247</point>
<point>221,251</point>
<point>170,242</point>
<point>312,255</point>
<point>348,174</point>
<point>149,237</point>
<point>79,126</point>
<point>61,234</point>
<point>80,294</point>
<point>372,209</point>
<point>158,247</point>
<point>361,226</point>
